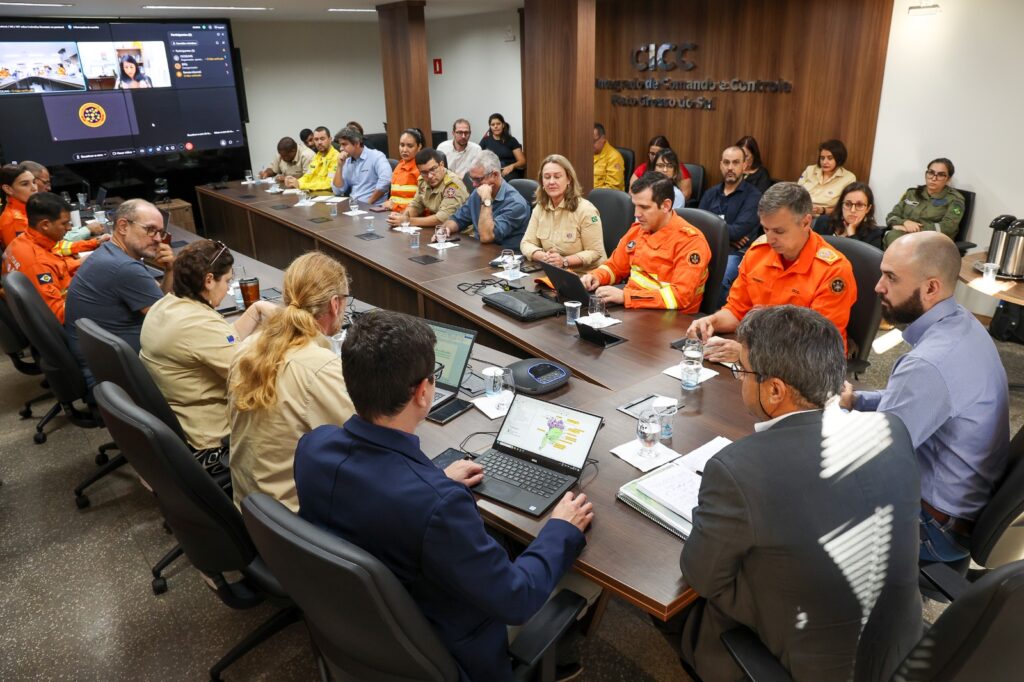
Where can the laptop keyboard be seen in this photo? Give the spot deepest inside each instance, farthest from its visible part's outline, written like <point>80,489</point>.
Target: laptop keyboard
<point>524,475</point>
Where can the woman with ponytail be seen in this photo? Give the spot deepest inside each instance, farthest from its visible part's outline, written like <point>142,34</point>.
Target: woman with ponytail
<point>286,380</point>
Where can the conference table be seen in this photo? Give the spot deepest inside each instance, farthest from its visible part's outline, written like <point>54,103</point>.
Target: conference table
<point>630,556</point>
<point>1008,290</point>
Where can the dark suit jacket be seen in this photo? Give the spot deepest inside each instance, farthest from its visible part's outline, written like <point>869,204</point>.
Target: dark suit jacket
<point>374,487</point>
<point>807,533</point>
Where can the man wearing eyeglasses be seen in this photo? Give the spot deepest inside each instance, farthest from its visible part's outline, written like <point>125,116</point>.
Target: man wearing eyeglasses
<point>495,210</point>
<point>460,151</point>
<point>821,501</point>
<point>113,288</point>
<point>439,193</point>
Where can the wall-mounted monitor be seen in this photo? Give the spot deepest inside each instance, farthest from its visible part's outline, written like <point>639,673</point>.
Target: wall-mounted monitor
<point>80,90</point>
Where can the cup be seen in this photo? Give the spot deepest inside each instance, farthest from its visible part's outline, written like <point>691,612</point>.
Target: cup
<point>250,291</point>
<point>334,210</point>
<point>440,234</point>
<point>666,409</point>
<point>414,238</point>
<point>492,380</point>
<point>368,220</point>
<point>100,216</point>
<point>648,431</point>
<point>693,361</point>
<point>596,305</point>
<point>988,272</point>
<point>83,199</point>
<point>405,222</point>
<point>303,196</point>
<point>572,312</point>
<point>507,392</point>
<point>76,218</point>
<point>248,177</point>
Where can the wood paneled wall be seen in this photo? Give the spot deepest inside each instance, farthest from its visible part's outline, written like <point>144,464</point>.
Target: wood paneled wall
<point>832,51</point>
<point>403,56</point>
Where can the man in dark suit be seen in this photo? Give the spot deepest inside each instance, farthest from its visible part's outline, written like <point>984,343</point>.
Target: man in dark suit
<point>370,483</point>
<point>806,531</point>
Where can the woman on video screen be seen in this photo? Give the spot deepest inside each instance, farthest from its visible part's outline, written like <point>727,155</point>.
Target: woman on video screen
<point>131,75</point>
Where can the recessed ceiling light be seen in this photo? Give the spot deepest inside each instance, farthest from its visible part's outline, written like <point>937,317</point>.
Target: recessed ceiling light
<point>210,7</point>
<point>339,9</point>
<point>924,9</point>
<point>37,4</point>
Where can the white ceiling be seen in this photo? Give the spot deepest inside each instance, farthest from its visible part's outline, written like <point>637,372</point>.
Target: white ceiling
<point>284,10</point>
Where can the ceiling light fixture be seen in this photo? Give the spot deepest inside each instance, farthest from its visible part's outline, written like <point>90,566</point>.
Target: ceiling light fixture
<point>218,8</point>
<point>923,9</point>
<point>37,4</point>
<point>339,9</point>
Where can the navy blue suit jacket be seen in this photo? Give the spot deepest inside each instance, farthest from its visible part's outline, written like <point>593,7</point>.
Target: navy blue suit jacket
<point>374,487</point>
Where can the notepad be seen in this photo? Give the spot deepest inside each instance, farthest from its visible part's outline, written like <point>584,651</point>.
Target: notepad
<point>675,486</point>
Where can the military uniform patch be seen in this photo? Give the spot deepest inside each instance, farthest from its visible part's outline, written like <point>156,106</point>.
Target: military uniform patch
<point>594,219</point>
<point>450,193</point>
<point>957,209</point>
<point>827,255</point>
<point>44,277</point>
<point>694,258</point>
<point>631,245</point>
<point>838,285</point>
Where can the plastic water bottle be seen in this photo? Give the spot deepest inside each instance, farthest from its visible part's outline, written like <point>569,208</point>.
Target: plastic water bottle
<point>236,291</point>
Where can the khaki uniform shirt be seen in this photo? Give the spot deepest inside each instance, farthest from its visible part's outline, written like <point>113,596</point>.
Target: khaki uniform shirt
<point>310,393</point>
<point>441,201</point>
<point>188,347</point>
<point>570,233</point>
<point>825,192</point>
<point>297,168</point>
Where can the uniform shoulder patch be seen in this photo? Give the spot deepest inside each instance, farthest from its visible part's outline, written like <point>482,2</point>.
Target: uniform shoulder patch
<point>827,255</point>
<point>838,285</point>
<point>594,218</point>
<point>631,245</point>
<point>763,239</point>
<point>44,278</point>
<point>450,193</point>
<point>694,258</point>
<point>957,209</point>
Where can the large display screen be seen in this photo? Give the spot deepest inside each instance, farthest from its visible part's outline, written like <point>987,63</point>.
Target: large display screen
<point>76,90</point>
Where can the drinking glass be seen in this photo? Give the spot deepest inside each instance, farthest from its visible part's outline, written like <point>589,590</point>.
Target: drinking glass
<point>596,305</point>
<point>83,199</point>
<point>248,177</point>
<point>440,234</point>
<point>492,381</point>
<point>414,238</point>
<point>508,391</point>
<point>648,431</point>
<point>509,263</point>
<point>303,196</point>
<point>334,210</point>
<point>693,360</point>
<point>572,312</point>
<point>368,221</point>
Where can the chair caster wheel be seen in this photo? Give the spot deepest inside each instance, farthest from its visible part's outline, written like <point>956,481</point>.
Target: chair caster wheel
<point>39,437</point>
<point>159,585</point>
<point>25,412</point>
<point>102,459</point>
<point>81,501</point>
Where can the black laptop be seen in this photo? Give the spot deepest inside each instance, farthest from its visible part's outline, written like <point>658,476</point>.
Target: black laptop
<point>539,453</point>
<point>452,348</point>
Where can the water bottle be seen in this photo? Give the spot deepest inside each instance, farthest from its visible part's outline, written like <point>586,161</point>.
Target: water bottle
<point>236,291</point>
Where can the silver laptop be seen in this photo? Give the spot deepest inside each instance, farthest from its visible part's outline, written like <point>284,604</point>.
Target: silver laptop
<point>453,347</point>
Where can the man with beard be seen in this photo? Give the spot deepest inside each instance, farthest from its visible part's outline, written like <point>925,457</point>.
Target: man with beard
<point>950,391</point>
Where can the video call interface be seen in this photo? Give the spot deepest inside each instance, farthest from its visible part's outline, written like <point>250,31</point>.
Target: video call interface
<point>79,91</point>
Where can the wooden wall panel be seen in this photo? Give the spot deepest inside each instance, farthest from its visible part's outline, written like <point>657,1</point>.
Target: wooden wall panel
<point>832,51</point>
<point>403,56</point>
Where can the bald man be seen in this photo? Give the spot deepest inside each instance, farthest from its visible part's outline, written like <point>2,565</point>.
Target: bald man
<point>950,391</point>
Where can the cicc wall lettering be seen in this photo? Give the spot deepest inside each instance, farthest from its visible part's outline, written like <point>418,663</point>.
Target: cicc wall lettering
<point>700,92</point>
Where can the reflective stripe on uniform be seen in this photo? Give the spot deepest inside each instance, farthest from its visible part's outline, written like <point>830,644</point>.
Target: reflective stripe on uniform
<point>645,281</point>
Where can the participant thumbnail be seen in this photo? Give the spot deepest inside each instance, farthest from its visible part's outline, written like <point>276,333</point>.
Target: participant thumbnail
<point>125,65</point>
<point>90,116</point>
<point>40,67</point>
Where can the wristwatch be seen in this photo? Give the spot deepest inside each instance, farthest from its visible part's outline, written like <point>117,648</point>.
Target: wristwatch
<point>487,203</point>
<point>565,262</point>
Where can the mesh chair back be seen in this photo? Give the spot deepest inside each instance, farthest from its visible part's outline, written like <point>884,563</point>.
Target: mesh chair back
<point>205,522</point>
<point>526,187</point>
<point>696,172</point>
<point>866,312</point>
<point>616,209</point>
<point>628,163</point>
<point>716,231</point>
<point>998,536</point>
<point>111,359</point>
<point>363,620</point>
<point>47,336</point>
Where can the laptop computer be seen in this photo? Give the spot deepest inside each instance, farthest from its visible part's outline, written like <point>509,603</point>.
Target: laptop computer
<point>539,453</point>
<point>452,349</point>
<point>568,284</point>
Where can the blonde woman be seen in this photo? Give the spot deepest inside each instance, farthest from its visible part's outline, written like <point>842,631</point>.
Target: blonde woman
<point>286,380</point>
<point>565,229</point>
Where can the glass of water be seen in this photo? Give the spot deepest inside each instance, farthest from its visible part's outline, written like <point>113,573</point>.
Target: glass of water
<point>440,234</point>
<point>248,177</point>
<point>648,431</point>
<point>508,391</point>
<point>303,196</point>
<point>368,221</point>
<point>595,305</point>
<point>693,361</point>
<point>509,263</point>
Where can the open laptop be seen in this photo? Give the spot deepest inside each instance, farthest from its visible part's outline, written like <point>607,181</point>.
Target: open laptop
<point>452,349</point>
<point>568,284</point>
<point>539,453</point>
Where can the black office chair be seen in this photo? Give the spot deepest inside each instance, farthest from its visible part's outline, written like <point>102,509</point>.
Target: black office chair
<point>378,141</point>
<point>23,356</point>
<point>616,209</point>
<point>965,223</point>
<point>866,312</point>
<point>526,187</point>
<point>628,163</point>
<point>203,518</point>
<point>468,182</point>
<point>393,163</point>
<point>696,172</point>
<point>61,369</point>
<point>976,638</point>
<point>716,231</point>
<point>362,620</point>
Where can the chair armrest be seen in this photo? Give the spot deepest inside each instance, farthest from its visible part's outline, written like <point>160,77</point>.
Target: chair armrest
<point>753,657</point>
<point>946,580</point>
<point>546,627</point>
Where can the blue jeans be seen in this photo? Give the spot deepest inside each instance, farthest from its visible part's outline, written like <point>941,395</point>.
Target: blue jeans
<point>732,270</point>
<point>939,542</point>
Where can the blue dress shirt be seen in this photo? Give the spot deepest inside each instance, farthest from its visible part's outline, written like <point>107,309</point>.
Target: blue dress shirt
<point>511,215</point>
<point>738,210</point>
<point>951,393</point>
<point>374,487</point>
<point>363,176</point>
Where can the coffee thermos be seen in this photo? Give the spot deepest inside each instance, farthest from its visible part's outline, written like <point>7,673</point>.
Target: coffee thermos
<point>997,247</point>
<point>1011,263</point>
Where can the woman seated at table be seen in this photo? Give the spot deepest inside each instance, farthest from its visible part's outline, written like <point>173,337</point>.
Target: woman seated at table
<point>754,171</point>
<point>405,175</point>
<point>499,140</point>
<point>826,179</point>
<point>658,143</point>
<point>856,217</point>
<point>565,229</point>
<point>286,380</point>
<point>667,163</point>
<point>188,347</point>
<point>18,184</point>
<point>931,206</point>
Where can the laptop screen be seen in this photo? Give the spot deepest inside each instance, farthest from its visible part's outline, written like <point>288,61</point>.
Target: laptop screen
<point>452,349</point>
<point>548,430</point>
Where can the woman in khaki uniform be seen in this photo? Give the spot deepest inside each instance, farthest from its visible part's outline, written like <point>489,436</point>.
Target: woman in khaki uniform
<point>931,206</point>
<point>565,229</point>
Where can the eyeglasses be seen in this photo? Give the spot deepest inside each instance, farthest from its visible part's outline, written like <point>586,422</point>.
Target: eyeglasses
<point>663,166</point>
<point>438,370</point>
<point>151,230</point>
<point>437,169</point>
<point>849,205</point>
<point>461,132</point>
<point>477,181</point>
<point>932,174</point>
<point>223,248</point>
<point>738,372</point>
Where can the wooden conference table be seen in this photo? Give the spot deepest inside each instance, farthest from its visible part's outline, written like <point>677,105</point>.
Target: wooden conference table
<point>1003,289</point>
<point>629,555</point>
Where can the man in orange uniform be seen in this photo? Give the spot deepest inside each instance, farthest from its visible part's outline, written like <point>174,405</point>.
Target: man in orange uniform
<point>664,257</point>
<point>790,264</point>
<point>31,252</point>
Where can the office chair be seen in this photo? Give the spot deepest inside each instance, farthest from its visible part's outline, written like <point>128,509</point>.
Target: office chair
<point>965,223</point>
<point>716,231</point>
<point>866,312</point>
<point>61,369</point>
<point>25,359</point>
<point>526,187</point>
<point>203,518</point>
<point>378,141</point>
<point>616,209</point>
<point>392,162</point>
<point>628,163</point>
<point>696,172</point>
<point>976,638</point>
<point>362,620</point>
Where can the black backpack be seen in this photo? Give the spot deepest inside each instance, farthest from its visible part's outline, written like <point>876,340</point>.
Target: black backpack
<point>1007,323</point>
